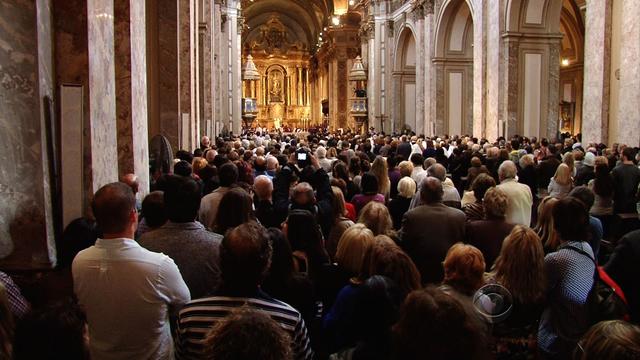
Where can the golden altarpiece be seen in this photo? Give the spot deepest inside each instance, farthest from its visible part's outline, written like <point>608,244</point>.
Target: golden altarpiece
<point>283,91</point>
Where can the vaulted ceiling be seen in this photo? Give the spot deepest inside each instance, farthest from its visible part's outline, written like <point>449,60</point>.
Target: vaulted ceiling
<point>304,19</point>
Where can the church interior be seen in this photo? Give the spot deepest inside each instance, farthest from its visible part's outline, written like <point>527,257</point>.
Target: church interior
<point>90,88</point>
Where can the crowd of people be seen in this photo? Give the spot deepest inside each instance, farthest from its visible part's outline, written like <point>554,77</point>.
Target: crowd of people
<point>344,246</point>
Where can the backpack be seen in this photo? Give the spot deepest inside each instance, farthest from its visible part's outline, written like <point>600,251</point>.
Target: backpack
<point>606,300</point>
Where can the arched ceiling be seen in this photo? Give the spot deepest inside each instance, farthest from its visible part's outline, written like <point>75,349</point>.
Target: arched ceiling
<point>304,19</point>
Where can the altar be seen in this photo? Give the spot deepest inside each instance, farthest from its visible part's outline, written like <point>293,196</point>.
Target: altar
<point>283,92</point>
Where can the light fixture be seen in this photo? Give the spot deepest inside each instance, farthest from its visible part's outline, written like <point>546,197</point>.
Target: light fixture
<point>351,2</point>
<point>565,62</point>
<point>250,71</point>
<point>325,28</point>
<point>335,20</point>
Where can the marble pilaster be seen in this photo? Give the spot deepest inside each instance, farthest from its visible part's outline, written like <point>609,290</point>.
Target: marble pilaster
<point>492,78</point>
<point>597,60</point>
<point>131,90</point>
<point>553,88</point>
<point>508,124</point>
<point>628,114</point>
<point>26,77</point>
<point>479,68</point>
<point>102,97</point>
<point>168,89</point>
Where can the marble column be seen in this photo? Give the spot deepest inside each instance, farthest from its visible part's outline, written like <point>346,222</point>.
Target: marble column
<point>167,71</point>
<point>429,72</point>
<point>26,57</point>
<point>628,114</point>
<point>102,96</point>
<point>508,124</point>
<point>131,90</point>
<point>187,73</point>
<point>492,76</point>
<point>597,60</point>
<point>479,68</point>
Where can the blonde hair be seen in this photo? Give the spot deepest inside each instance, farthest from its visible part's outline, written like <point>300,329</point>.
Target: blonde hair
<point>380,170</point>
<point>353,244</point>
<point>332,153</point>
<point>563,175</point>
<point>544,227</point>
<point>609,340</point>
<point>526,160</point>
<point>464,268</point>
<point>520,265</point>
<point>198,164</point>
<point>495,203</point>
<point>601,160</point>
<point>338,202</point>
<point>406,187</point>
<point>375,216</point>
<point>405,168</point>
<point>570,160</point>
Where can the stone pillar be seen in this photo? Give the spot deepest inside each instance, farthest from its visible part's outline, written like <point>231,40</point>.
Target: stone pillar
<point>479,68</point>
<point>508,124</point>
<point>187,73</point>
<point>167,71</point>
<point>26,226</point>
<point>492,115</point>
<point>597,60</point>
<point>429,71</point>
<point>102,96</point>
<point>628,114</point>
<point>131,90</point>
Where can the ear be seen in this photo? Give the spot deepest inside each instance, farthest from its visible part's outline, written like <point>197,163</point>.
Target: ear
<point>133,216</point>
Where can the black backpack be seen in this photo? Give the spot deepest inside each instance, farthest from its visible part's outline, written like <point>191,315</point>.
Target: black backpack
<point>604,301</point>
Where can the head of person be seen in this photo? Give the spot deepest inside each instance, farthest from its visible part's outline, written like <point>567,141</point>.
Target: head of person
<point>464,268</point>
<point>238,209</point>
<point>321,152</point>
<point>507,170</point>
<point>435,325</point>
<point>563,175</point>
<point>228,174</point>
<point>260,164</point>
<point>406,187</point>
<point>609,340</point>
<point>369,184</point>
<point>353,244</point>
<point>431,191</point>
<point>302,196</point>
<point>153,209</point>
<point>338,203</point>
<point>405,168</point>
<point>272,163</point>
<point>183,168</point>
<point>132,181</point>
<point>375,216</point>
<point>520,266</point>
<point>181,199</point>
<point>245,257</point>
<point>495,203</point>
<point>475,162</point>
<point>205,142</point>
<point>59,328</point>
<point>628,154</point>
<point>481,184</point>
<point>544,227</point>
<point>248,334</point>
<point>263,187</point>
<point>114,207</point>
<point>281,269</point>
<point>571,220</point>
<point>198,164</point>
<point>378,305</point>
<point>386,258</point>
<point>583,194</point>
<point>437,171</point>
<point>417,160</point>
<point>380,170</point>
<point>428,162</point>
<point>526,161</point>
<point>303,232</point>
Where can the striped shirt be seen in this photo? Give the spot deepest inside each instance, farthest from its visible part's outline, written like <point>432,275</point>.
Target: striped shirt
<point>198,317</point>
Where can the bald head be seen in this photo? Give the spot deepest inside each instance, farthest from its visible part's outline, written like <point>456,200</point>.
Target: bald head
<point>431,191</point>
<point>263,187</point>
<point>437,171</point>
<point>132,181</point>
<point>260,163</point>
<point>272,163</point>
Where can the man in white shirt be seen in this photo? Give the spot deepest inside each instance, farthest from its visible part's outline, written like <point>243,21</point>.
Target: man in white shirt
<point>210,203</point>
<point>127,291</point>
<point>520,198</point>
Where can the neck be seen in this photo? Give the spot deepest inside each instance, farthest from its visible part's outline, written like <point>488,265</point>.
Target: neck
<point>124,234</point>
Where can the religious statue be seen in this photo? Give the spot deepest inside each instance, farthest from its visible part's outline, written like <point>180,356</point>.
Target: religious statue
<point>276,88</point>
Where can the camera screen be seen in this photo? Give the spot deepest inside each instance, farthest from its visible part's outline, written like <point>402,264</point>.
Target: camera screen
<point>302,156</point>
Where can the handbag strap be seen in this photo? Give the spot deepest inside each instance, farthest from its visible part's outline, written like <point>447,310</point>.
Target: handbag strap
<point>596,274</point>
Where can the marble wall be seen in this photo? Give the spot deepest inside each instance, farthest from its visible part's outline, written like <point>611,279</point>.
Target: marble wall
<point>26,224</point>
<point>167,70</point>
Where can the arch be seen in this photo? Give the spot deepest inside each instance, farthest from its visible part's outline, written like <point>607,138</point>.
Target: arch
<point>537,16</point>
<point>454,63</point>
<point>404,76</point>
